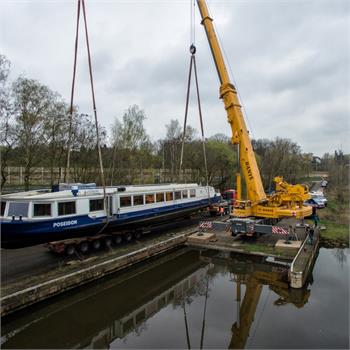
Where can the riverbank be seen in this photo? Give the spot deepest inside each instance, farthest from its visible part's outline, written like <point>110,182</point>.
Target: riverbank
<point>335,218</point>
<point>335,235</point>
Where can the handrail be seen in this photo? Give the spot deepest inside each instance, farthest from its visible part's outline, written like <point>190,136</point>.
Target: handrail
<point>300,250</point>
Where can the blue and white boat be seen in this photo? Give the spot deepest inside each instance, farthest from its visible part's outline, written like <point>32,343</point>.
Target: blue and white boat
<point>43,216</point>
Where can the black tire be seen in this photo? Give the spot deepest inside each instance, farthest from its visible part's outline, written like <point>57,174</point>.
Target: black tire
<point>84,247</point>
<point>118,239</point>
<point>70,250</point>
<point>128,237</point>
<point>138,235</point>
<point>96,244</point>
<point>108,242</point>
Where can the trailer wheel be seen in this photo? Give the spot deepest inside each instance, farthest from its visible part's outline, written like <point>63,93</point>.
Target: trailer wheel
<point>138,234</point>
<point>128,237</point>
<point>84,247</point>
<point>118,239</point>
<point>108,242</point>
<point>96,244</point>
<point>70,250</point>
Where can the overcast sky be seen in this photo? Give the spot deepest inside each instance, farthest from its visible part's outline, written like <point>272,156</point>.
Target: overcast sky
<point>290,61</point>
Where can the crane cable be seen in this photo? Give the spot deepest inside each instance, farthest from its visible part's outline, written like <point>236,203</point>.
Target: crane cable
<point>66,173</point>
<point>193,21</point>
<point>193,63</point>
<point>106,205</point>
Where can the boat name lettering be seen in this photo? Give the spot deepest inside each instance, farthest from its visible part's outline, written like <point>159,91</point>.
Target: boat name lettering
<point>65,223</point>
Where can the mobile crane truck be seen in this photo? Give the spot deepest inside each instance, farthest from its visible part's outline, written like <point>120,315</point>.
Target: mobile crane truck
<point>259,211</point>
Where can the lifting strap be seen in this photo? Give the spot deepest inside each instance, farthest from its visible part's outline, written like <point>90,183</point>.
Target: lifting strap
<point>106,205</point>
<point>66,173</point>
<point>193,63</point>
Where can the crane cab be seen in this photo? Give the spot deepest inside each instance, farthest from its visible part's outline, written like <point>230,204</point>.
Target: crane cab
<point>242,209</point>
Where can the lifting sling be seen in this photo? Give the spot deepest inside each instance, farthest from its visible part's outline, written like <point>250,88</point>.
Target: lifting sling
<point>81,3</point>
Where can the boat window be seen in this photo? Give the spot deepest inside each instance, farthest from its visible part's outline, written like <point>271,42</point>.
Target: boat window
<point>192,193</point>
<point>184,194</point>
<point>169,196</point>
<point>138,200</point>
<point>42,209</point>
<point>149,198</point>
<point>160,197</point>
<point>18,209</point>
<point>125,201</point>
<point>3,206</point>
<point>66,208</point>
<point>177,195</point>
<point>96,204</point>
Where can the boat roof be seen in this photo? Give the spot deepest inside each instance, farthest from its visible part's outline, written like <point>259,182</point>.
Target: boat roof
<point>98,191</point>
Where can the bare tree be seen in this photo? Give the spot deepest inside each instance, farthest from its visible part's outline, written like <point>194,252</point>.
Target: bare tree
<point>56,133</point>
<point>280,157</point>
<point>7,135</point>
<point>131,141</point>
<point>33,103</point>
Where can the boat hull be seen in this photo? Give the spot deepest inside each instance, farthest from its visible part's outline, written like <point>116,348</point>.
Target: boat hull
<point>18,233</point>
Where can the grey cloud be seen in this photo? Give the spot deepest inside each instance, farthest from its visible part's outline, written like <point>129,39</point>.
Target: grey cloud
<point>290,60</point>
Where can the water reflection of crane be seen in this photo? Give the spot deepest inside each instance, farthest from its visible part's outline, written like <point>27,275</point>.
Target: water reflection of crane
<point>253,273</point>
<point>254,276</point>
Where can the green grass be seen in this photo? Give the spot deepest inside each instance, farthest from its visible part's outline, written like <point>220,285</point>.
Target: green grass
<point>263,248</point>
<point>335,217</point>
<point>335,231</point>
<point>308,179</point>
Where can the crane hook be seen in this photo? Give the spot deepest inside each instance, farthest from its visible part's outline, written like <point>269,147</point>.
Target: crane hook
<point>193,49</point>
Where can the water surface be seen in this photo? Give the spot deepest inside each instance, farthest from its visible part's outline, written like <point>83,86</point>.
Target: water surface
<point>193,299</point>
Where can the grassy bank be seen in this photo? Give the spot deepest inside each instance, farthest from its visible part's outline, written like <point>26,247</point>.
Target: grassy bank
<point>335,217</point>
<point>335,235</point>
<point>268,249</point>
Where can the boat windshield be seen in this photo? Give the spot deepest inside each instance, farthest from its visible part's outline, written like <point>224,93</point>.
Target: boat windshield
<point>18,209</point>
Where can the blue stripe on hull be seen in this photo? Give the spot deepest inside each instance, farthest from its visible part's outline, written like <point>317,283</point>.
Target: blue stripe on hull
<point>20,232</point>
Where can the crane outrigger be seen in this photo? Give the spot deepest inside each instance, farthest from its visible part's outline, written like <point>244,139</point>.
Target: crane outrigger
<point>287,201</point>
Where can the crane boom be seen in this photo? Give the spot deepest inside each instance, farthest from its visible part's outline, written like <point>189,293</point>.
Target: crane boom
<point>228,93</point>
<point>288,199</point>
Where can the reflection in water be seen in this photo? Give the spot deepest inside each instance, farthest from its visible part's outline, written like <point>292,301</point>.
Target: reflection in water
<point>341,256</point>
<point>185,299</point>
<point>110,310</point>
<point>253,273</point>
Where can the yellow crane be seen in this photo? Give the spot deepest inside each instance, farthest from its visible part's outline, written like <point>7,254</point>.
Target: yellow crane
<point>287,201</point>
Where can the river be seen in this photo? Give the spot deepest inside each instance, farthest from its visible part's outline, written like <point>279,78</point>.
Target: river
<point>193,299</point>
